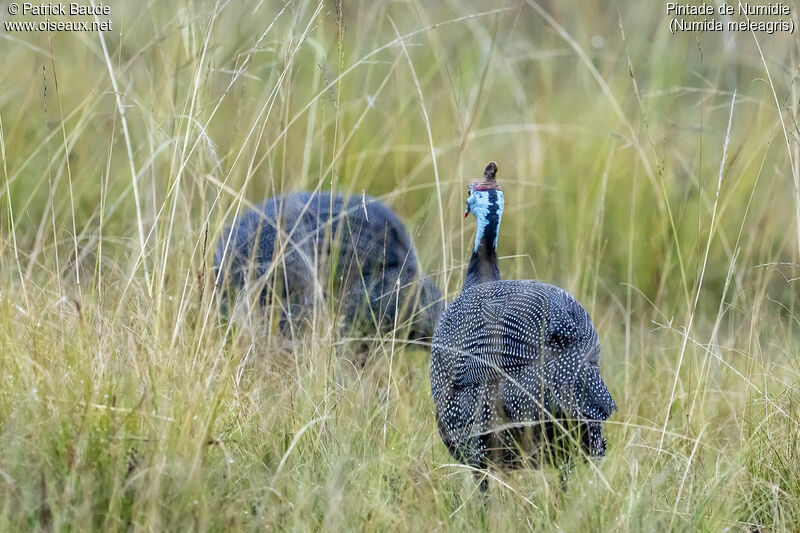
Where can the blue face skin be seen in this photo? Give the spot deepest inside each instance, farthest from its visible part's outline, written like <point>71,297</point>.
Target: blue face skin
<point>485,204</point>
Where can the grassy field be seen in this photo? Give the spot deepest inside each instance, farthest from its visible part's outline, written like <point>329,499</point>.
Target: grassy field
<point>655,176</point>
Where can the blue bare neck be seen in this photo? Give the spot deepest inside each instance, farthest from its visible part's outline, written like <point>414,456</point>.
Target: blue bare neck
<point>487,206</point>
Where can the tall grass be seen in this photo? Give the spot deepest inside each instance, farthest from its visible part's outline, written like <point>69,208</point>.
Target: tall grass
<point>634,179</point>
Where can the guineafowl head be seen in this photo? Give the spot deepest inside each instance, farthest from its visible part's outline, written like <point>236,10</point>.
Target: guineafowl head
<point>485,201</point>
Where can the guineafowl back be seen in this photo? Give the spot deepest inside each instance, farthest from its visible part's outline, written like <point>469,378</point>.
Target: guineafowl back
<point>508,355</point>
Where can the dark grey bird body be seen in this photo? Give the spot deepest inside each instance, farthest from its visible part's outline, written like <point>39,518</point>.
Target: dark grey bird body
<point>305,245</point>
<point>514,363</point>
<point>508,358</point>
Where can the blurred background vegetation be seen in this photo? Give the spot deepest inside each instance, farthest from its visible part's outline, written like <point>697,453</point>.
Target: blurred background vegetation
<point>655,176</point>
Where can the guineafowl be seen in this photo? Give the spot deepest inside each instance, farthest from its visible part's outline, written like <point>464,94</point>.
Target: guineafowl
<point>514,363</point>
<point>352,248</point>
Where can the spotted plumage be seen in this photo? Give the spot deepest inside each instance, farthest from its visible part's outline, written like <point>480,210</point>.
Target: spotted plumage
<point>311,246</point>
<point>514,363</point>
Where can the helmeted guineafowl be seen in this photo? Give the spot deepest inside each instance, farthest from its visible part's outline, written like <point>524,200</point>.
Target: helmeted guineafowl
<point>305,244</point>
<point>514,363</point>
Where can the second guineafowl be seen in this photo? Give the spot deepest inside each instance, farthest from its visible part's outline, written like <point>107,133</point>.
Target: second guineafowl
<point>302,248</point>
<point>514,363</point>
